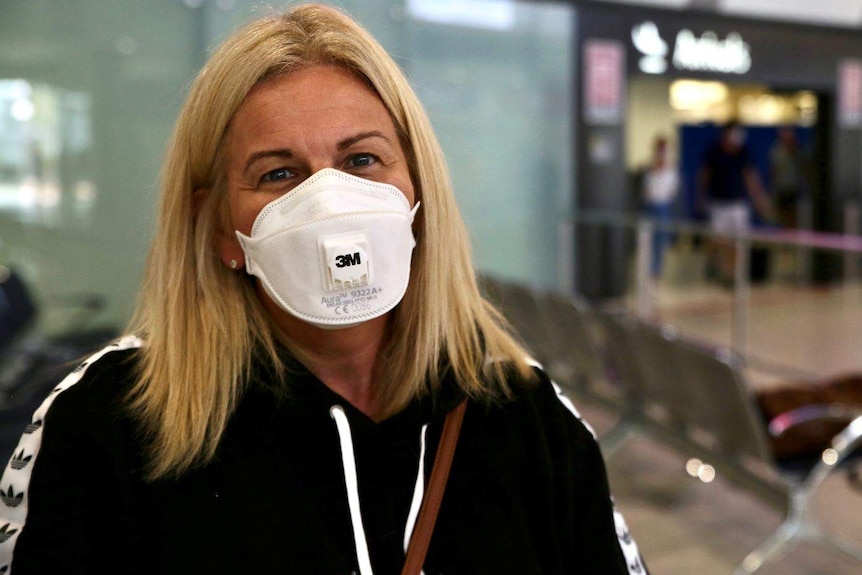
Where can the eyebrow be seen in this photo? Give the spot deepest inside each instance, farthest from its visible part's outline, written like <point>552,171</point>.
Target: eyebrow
<point>287,153</point>
<point>347,142</point>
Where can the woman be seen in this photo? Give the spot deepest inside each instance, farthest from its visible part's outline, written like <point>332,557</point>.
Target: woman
<point>297,353</point>
<point>660,187</point>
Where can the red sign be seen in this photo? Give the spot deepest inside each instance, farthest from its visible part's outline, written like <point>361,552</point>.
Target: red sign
<point>850,93</point>
<point>604,81</point>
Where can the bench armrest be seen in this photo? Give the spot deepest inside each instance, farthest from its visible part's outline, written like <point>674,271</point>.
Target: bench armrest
<point>783,422</point>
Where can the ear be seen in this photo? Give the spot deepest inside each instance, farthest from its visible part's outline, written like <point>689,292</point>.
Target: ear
<point>229,249</point>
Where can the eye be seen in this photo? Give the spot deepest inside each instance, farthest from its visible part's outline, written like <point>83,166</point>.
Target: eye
<point>361,160</point>
<point>276,175</point>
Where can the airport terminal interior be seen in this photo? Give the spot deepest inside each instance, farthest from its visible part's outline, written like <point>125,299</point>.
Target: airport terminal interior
<point>548,113</point>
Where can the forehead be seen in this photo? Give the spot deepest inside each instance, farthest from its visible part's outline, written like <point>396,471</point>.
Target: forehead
<point>320,98</point>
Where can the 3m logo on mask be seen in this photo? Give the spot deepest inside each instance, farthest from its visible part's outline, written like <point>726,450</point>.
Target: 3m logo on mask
<point>348,260</point>
<point>347,264</point>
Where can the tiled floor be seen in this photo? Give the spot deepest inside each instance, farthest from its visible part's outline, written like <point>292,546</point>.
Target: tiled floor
<point>813,331</point>
<point>685,526</point>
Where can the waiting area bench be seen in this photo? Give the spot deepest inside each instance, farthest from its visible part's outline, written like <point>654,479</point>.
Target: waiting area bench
<point>689,396</point>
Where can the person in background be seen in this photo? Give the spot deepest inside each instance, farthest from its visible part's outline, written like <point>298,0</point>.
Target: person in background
<point>729,185</point>
<point>308,326</point>
<point>789,175</point>
<point>660,189</point>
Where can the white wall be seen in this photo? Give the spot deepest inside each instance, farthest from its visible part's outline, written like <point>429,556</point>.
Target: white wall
<point>649,114</point>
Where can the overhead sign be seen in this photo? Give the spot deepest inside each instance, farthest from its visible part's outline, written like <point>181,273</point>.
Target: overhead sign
<point>704,53</point>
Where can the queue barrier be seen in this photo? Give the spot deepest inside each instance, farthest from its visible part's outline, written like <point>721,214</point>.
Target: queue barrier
<point>843,249</point>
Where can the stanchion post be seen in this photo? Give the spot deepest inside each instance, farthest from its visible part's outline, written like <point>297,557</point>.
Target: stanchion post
<point>644,287</point>
<point>851,227</point>
<point>741,295</point>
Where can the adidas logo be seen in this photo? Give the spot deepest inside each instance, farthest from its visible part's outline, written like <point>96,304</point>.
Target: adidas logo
<point>33,426</point>
<point>80,367</point>
<point>10,498</point>
<point>626,537</point>
<point>19,461</point>
<point>6,533</point>
<point>636,567</point>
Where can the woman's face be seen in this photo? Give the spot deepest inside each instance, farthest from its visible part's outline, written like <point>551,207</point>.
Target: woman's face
<point>292,126</point>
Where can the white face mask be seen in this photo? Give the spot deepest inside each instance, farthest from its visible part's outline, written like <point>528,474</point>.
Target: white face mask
<point>334,251</point>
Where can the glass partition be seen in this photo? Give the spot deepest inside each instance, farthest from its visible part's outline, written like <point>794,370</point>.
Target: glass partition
<point>788,301</point>
<point>89,92</point>
<point>46,154</point>
<point>500,99</point>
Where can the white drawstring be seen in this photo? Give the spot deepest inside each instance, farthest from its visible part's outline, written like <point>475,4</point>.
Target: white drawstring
<point>348,460</point>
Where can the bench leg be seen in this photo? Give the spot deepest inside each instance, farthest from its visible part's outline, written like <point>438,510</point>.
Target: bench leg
<point>779,544</point>
<point>614,438</point>
<point>798,526</point>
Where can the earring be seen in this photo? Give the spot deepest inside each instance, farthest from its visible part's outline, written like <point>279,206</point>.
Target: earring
<point>233,264</point>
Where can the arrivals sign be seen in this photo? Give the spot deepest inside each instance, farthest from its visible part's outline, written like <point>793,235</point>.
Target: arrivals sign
<point>690,52</point>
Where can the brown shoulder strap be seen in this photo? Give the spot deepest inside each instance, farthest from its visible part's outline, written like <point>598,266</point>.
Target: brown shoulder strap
<point>421,538</point>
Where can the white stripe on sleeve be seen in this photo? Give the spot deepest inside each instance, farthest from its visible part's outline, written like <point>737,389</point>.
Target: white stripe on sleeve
<point>16,477</point>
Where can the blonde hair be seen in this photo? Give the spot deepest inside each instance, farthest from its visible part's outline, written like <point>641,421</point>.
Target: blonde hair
<point>202,323</point>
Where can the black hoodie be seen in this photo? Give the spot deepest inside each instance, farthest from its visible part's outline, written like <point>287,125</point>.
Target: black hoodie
<point>527,492</point>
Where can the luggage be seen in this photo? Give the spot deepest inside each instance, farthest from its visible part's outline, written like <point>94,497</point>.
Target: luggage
<point>807,441</point>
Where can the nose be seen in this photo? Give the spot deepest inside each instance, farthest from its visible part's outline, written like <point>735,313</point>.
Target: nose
<point>317,164</point>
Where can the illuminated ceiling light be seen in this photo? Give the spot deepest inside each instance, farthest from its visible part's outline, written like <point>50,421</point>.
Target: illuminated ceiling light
<point>842,13</point>
<point>695,95</point>
<point>770,107</point>
<point>22,109</point>
<point>14,89</point>
<point>493,14</point>
<point>747,104</point>
<point>656,3</point>
<point>806,100</point>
